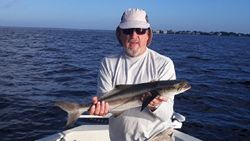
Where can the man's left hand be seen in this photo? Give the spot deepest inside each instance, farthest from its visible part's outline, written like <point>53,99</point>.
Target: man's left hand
<point>155,102</point>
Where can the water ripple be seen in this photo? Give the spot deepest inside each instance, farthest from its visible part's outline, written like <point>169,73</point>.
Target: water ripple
<point>40,66</point>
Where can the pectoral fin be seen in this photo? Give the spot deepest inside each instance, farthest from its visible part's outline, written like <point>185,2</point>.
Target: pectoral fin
<point>148,99</point>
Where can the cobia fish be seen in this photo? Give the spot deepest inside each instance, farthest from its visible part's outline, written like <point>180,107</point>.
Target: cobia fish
<point>124,97</point>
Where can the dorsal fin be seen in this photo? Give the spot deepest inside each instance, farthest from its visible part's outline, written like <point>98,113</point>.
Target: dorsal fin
<point>122,86</point>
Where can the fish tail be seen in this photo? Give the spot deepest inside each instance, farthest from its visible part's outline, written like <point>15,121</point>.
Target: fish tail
<point>73,110</point>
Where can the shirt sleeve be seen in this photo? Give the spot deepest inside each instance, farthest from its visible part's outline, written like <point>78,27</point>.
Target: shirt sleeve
<point>166,72</point>
<point>165,111</point>
<point>104,80</point>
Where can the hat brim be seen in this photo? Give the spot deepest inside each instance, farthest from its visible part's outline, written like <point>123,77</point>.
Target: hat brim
<point>134,24</point>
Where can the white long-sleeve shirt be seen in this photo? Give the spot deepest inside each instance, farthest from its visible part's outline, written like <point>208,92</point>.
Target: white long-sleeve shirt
<point>134,125</point>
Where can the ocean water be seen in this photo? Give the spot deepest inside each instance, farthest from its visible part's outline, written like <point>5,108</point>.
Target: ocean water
<point>39,66</point>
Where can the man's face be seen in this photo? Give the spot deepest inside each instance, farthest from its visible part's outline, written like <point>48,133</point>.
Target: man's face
<point>135,41</point>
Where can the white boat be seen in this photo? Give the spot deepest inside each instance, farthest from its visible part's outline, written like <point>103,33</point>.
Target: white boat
<point>101,133</point>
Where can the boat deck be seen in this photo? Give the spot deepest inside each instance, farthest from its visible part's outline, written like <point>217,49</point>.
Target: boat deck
<point>99,133</point>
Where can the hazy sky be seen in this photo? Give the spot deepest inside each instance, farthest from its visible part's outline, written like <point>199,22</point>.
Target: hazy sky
<point>201,15</point>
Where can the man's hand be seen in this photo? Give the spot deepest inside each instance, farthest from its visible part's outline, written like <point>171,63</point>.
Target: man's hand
<point>155,102</point>
<point>99,108</point>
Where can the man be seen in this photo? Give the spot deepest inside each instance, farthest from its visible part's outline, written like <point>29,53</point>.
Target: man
<point>136,64</point>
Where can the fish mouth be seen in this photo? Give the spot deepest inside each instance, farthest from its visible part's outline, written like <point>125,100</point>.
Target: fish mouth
<point>187,86</point>
<point>184,86</point>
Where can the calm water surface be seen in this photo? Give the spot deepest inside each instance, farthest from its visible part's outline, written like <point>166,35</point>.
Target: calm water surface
<point>39,66</point>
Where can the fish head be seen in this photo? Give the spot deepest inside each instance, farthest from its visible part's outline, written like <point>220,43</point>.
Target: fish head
<point>175,88</point>
<point>182,86</point>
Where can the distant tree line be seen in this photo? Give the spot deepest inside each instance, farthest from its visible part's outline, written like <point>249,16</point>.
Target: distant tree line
<point>219,33</point>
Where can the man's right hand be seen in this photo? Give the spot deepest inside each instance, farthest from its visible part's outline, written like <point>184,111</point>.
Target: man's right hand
<point>100,108</point>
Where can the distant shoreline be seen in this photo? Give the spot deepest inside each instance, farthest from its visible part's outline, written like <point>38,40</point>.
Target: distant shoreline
<point>184,32</point>
<point>187,32</point>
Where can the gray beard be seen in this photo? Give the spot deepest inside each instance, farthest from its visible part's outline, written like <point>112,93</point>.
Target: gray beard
<point>132,53</point>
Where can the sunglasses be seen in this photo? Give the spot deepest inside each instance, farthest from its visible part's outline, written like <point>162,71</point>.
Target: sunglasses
<point>139,31</point>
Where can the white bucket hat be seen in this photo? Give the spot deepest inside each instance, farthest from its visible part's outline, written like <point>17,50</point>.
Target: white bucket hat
<point>134,18</point>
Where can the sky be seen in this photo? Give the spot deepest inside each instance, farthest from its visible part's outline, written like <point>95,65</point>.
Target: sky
<point>198,15</point>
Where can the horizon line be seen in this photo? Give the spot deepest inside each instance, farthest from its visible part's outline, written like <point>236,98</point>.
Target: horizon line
<point>75,28</point>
